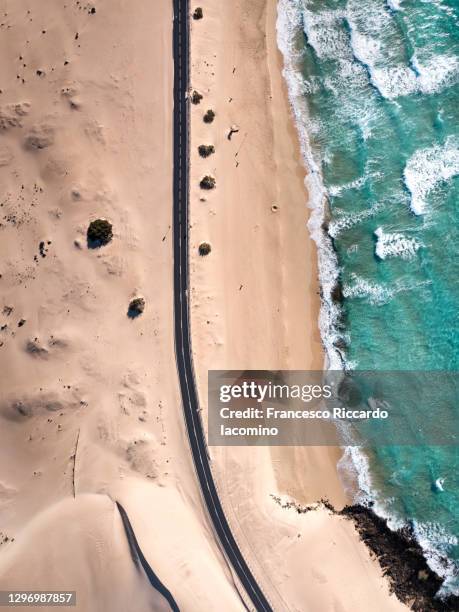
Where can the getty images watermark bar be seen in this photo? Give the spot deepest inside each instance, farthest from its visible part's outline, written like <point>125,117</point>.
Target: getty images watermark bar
<point>333,408</point>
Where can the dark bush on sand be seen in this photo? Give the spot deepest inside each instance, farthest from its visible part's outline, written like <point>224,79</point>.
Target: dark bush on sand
<point>209,116</point>
<point>196,97</point>
<point>198,14</point>
<point>206,150</point>
<point>136,307</point>
<point>100,233</point>
<point>208,182</point>
<point>204,249</point>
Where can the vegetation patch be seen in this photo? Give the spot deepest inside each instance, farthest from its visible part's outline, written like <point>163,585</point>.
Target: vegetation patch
<point>208,182</point>
<point>204,249</point>
<point>198,14</point>
<point>136,307</point>
<point>100,233</point>
<point>206,150</point>
<point>209,116</point>
<point>196,97</point>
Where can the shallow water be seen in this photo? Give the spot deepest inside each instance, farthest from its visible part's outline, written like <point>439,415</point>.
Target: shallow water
<point>374,86</point>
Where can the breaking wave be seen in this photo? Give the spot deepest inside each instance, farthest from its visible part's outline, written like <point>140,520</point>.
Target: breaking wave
<point>427,169</point>
<point>395,245</point>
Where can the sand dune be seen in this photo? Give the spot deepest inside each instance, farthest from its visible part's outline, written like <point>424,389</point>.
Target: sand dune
<point>89,405</point>
<point>93,555</point>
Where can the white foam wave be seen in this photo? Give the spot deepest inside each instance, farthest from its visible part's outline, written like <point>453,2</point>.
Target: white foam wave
<point>394,81</point>
<point>372,16</point>
<point>431,77</point>
<point>395,245</point>
<point>376,293</point>
<point>368,22</point>
<point>390,77</point>
<point>336,190</point>
<point>348,74</point>
<point>354,461</point>
<point>427,169</point>
<point>436,72</point>
<point>365,48</point>
<point>345,222</point>
<point>367,289</point>
<point>357,461</point>
<point>437,543</point>
<point>324,35</point>
<point>395,5</point>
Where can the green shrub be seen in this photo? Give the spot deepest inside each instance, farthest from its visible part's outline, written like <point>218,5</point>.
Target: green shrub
<point>136,307</point>
<point>208,182</point>
<point>196,97</point>
<point>204,249</point>
<point>198,14</point>
<point>206,150</point>
<point>209,116</point>
<point>100,233</point>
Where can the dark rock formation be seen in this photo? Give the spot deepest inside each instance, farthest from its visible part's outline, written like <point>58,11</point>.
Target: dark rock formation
<point>402,560</point>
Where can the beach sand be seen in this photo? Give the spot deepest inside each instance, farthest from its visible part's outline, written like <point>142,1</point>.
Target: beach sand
<point>255,305</point>
<point>90,410</point>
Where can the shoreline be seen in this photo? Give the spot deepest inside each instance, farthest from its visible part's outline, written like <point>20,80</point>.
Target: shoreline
<point>332,339</point>
<point>357,472</point>
<point>328,457</point>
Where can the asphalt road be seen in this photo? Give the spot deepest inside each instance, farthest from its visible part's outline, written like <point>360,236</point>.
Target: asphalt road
<point>181,308</point>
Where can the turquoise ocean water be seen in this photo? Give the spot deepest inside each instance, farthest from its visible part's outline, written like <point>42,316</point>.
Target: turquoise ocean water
<point>374,86</point>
